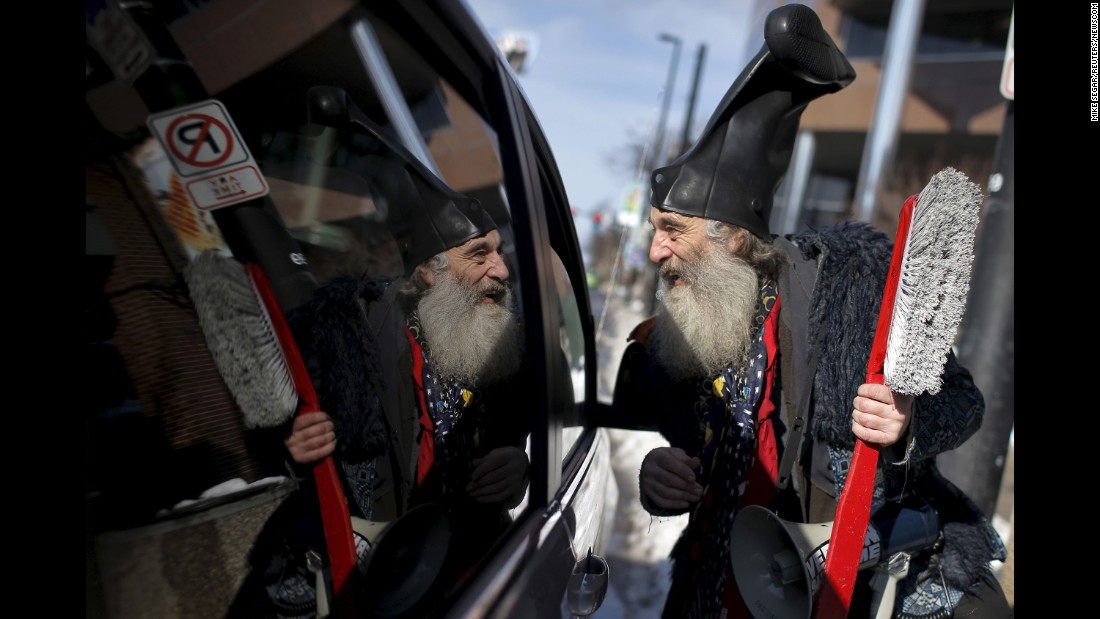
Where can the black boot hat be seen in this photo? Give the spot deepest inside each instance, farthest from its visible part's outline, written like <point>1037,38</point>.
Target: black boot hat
<point>423,213</point>
<point>425,216</point>
<point>732,171</point>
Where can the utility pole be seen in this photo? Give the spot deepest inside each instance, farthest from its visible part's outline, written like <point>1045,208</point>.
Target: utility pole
<point>685,138</point>
<point>987,333</point>
<point>986,338</point>
<point>650,298</point>
<point>656,158</point>
<point>906,18</point>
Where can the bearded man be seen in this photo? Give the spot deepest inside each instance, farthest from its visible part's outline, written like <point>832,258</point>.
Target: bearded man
<point>447,343</point>
<point>420,381</point>
<point>465,305</point>
<point>759,337</point>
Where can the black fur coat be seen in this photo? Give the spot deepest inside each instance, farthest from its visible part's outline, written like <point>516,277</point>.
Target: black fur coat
<point>853,260</point>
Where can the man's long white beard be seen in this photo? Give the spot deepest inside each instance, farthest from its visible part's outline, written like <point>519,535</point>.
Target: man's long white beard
<point>706,322</point>
<point>476,342</point>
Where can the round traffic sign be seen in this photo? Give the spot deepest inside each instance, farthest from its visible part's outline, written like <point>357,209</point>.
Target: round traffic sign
<point>199,140</point>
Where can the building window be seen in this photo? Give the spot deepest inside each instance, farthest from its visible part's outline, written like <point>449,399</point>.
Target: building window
<point>975,35</point>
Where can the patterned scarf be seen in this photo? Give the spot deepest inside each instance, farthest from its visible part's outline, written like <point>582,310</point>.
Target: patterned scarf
<point>725,406</point>
<point>447,400</point>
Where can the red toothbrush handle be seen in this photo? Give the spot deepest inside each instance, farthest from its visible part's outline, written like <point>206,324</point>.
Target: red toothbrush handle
<point>335,516</point>
<point>853,510</point>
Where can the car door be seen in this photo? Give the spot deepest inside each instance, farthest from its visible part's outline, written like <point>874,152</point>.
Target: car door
<point>552,566</point>
<point>166,417</point>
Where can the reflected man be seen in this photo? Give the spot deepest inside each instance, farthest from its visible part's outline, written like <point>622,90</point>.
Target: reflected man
<point>420,378</point>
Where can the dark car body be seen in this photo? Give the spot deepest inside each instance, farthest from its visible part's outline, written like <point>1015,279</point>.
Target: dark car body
<point>177,485</point>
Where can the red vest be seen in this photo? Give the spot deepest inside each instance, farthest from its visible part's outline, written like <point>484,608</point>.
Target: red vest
<point>426,455</point>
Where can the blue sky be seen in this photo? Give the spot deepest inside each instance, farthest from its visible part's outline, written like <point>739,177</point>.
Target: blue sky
<point>597,77</point>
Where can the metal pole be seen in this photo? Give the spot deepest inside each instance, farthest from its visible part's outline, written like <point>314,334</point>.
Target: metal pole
<point>987,337</point>
<point>657,156</point>
<point>648,271</point>
<point>685,139</point>
<point>385,84</point>
<point>804,148</point>
<point>882,137</point>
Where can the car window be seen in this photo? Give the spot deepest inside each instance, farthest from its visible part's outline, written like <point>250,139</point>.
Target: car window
<point>168,433</point>
<point>573,306</point>
<point>573,356</point>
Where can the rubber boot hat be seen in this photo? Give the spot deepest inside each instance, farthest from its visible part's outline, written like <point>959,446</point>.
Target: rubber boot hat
<point>732,171</point>
<point>425,216</point>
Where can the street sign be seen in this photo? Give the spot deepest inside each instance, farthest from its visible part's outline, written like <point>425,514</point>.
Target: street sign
<point>1008,80</point>
<point>199,138</point>
<point>208,153</point>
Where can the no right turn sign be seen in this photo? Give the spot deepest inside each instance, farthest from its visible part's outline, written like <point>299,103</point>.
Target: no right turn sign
<point>207,152</point>
<point>200,138</point>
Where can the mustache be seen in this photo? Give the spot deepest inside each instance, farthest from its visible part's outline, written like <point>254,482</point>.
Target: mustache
<point>670,269</point>
<point>471,340</point>
<point>494,289</point>
<point>493,286</point>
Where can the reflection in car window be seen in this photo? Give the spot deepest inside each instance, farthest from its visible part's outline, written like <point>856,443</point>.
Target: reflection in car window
<point>415,310</point>
<point>395,202</point>
<point>572,349</point>
<point>421,374</point>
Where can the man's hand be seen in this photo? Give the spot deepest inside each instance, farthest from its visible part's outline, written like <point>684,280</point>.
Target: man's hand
<point>499,477</point>
<point>668,478</point>
<point>312,437</point>
<point>880,416</point>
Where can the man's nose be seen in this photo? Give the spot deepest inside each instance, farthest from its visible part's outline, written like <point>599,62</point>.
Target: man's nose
<point>498,270</point>
<point>658,247</point>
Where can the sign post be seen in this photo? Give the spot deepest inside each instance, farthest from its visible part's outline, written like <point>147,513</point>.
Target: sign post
<point>986,344</point>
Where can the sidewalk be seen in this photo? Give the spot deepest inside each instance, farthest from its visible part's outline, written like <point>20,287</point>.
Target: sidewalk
<point>637,554</point>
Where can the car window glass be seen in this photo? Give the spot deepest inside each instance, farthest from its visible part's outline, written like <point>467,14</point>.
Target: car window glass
<point>573,356</point>
<point>340,185</point>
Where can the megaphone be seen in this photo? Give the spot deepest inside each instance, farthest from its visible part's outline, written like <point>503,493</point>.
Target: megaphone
<point>778,564</point>
<point>401,561</point>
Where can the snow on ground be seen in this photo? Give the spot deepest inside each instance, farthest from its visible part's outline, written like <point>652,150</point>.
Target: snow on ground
<point>637,554</point>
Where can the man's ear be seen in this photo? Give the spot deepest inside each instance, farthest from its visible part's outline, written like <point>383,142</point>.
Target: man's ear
<point>425,274</point>
<point>736,239</point>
